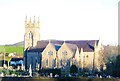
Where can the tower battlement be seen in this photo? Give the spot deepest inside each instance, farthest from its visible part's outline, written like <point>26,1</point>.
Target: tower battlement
<point>32,22</point>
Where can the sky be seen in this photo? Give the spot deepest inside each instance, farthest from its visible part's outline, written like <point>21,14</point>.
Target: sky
<point>61,20</point>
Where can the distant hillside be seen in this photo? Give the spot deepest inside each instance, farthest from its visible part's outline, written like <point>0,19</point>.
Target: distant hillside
<point>17,48</point>
<point>19,44</point>
<point>15,44</point>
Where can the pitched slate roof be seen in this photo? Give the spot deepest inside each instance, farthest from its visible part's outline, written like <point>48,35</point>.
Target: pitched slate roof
<point>44,43</point>
<point>35,49</point>
<point>84,44</point>
<point>41,45</point>
<point>87,45</point>
<point>57,47</point>
<point>73,47</point>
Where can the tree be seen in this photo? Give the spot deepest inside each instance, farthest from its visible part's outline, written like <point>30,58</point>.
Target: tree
<point>73,69</point>
<point>117,67</point>
<point>110,53</point>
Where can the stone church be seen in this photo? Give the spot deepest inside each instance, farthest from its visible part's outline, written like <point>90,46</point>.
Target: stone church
<point>85,54</point>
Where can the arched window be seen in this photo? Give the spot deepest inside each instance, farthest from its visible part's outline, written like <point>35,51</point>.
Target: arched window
<point>87,56</point>
<point>64,62</point>
<point>68,62</point>
<point>30,35</point>
<point>53,63</point>
<point>61,62</point>
<point>46,62</point>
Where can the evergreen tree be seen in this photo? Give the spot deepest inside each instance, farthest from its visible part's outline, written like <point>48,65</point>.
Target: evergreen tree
<point>73,69</point>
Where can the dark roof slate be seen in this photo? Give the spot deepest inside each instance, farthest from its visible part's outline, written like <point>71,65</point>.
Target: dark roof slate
<point>73,47</point>
<point>85,44</point>
<point>44,43</point>
<point>35,49</point>
<point>57,47</point>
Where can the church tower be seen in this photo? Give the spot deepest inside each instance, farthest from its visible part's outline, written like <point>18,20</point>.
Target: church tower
<point>32,29</point>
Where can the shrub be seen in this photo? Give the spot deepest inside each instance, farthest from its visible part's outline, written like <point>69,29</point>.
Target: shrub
<point>73,69</point>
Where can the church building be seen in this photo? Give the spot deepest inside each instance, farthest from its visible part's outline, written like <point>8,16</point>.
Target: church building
<point>50,54</point>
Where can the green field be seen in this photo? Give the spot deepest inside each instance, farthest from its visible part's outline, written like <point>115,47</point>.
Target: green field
<point>12,49</point>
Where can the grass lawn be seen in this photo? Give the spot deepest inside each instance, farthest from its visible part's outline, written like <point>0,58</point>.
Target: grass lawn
<point>12,49</point>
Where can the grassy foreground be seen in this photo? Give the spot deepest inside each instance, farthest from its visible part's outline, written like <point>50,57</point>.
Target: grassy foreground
<point>59,79</point>
<point>12,49</point>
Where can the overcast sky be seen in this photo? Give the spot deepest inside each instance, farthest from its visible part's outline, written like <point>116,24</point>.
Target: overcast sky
<point>61,19</point>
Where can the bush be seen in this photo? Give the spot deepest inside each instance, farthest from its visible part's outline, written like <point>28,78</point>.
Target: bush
<point>48,71</point>
<point>73,69</point>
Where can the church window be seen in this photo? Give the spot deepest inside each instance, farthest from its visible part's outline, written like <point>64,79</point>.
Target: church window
<point>64,62</point>
<point>68,62</point>
<point>87,56</point>
<point>47,62</point>
<point>30,35</point>
<point>64,53</point>
<point>53,63</point>
<point>50,53</point>
<point>61,62</point>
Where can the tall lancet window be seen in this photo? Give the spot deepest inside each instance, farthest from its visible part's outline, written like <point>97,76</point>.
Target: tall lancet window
<point>46,62</point>
<point>61,62</point>
<point>50,54</point>
<point>64,59</point>
<point>54,62</point>
<point>30,35</point>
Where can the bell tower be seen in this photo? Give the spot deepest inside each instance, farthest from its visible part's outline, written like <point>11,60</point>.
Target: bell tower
<point>32,29</point>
